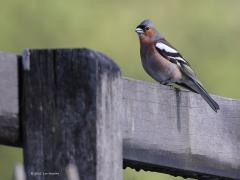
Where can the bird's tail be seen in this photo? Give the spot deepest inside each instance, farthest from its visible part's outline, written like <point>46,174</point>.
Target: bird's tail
<point>198,87</point>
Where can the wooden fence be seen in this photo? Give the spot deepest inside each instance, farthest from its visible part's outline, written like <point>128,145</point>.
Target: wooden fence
<point>71,106</point>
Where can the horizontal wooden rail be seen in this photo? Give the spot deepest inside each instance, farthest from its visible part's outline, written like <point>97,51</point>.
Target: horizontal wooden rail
<point>164,130</point>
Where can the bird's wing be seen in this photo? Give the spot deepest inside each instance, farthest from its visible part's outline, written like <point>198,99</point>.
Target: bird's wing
<point>170,53</point>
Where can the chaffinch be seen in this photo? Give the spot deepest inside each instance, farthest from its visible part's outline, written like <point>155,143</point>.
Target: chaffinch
<point>165,64</point>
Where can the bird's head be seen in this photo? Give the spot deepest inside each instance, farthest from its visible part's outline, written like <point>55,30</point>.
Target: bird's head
<point>146,31</point>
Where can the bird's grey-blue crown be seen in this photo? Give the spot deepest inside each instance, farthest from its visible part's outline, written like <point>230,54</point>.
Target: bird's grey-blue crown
<point>146,22</point>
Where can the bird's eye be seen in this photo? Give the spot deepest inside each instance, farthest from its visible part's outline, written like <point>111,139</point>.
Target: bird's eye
<point>147,28</point>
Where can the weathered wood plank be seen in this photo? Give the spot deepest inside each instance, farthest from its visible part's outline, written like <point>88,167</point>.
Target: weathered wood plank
<point>70,115</point>
<point>164,131</point>
<point>177,132</point>
<point>9,123</point>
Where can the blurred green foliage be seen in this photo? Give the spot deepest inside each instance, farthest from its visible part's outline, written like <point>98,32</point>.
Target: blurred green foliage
<point>207,33</point>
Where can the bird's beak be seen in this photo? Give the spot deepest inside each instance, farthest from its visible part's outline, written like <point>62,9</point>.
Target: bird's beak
<point>139,31</point>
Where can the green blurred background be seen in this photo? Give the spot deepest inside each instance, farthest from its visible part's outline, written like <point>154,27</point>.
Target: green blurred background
<point>207,33</point>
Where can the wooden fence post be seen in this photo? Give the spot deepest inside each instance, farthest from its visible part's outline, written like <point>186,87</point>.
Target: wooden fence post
<point>70,100</point>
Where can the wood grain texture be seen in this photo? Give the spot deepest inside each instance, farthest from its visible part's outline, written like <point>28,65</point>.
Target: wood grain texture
<point>70,116</point>
<point>9,123</point>
<point>177,133</point>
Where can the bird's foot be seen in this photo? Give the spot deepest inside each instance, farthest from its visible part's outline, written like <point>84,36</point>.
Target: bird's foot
<point>171,85</point>
<point>174,87</point>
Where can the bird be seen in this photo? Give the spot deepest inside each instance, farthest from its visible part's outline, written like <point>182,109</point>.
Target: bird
<point>165,64</point>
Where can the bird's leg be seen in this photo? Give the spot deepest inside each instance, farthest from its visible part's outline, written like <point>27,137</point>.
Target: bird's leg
<point>172,87</point>
<point>168,83</point>
<point>176,88</point>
